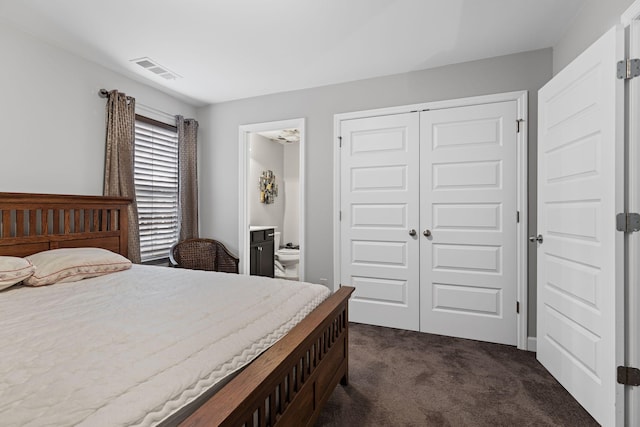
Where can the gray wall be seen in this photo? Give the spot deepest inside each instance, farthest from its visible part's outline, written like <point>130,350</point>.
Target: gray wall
<point>52,120</point>
<point>291,194</point>
<point>265,154</point>
<point>593,20</point>
<point>219,139</point>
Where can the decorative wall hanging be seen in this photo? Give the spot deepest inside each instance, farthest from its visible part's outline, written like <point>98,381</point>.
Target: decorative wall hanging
<point>268,187</point>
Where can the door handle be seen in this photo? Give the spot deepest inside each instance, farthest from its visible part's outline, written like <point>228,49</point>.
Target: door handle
<point>537,238</point>
<point>412,232</point>
<point>427,233</point>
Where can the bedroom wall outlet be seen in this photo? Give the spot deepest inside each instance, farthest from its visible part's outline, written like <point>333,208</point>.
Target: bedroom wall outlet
<point>323,281</point>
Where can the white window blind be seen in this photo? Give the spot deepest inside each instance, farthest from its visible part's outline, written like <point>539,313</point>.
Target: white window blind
<point>156,181</point>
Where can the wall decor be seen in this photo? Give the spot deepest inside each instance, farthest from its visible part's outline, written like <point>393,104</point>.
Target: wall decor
<point>268,187</point>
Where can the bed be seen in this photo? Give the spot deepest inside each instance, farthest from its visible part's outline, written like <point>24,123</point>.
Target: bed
<point>287,384</point>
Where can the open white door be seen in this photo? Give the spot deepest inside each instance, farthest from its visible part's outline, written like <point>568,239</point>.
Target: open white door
<point>379,208</point>
<point>580,253</point>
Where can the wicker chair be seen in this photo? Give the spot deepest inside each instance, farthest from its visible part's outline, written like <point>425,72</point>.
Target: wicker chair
<point>203,254</point>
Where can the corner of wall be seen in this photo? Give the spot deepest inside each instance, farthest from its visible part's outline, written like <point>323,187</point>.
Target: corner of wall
<point>593,19</point>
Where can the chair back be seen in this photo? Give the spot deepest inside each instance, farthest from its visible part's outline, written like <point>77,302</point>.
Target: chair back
<point>203,254</point>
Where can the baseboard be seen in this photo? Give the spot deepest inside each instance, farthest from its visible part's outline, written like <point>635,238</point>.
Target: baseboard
<point>532,344</point>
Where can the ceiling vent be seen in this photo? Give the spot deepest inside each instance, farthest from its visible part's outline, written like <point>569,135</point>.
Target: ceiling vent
<point>155,68</point>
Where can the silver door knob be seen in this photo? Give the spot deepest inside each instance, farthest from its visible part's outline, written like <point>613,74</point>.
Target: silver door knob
<point>427,233</point>
<point>537,238</point>
<point>412,232</point>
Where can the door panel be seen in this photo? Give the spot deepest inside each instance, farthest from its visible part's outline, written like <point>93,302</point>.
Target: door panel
<point>468,203</point>
<point>466,299</point>
<point>379,205</point>
<point>463,216</point>
<point>466,175</point>
<point>580,261</point>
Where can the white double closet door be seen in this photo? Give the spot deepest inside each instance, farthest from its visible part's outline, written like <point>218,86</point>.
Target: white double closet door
<point>428,220</point>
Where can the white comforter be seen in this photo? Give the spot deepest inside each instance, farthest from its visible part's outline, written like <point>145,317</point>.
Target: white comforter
<point>133,347</point>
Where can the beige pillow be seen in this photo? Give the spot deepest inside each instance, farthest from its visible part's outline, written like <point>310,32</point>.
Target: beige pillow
<point>14,270</point>
<point>73,264</point>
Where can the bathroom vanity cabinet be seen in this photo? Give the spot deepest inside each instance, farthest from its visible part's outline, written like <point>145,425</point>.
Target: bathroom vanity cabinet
<point>262,252</point>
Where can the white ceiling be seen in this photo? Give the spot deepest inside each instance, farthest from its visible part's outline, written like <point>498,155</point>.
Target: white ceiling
<point>282,136</point>
<point>230,49</point>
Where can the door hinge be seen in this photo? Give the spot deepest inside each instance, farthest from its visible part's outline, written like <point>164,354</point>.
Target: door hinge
<point>518,216</point>
<point>518,125</point>
<point>340,216</point>
<point>628,376</point>
<point>628,69</point>
<point>340,141</point>
<point>628,222</point>
<point>517,307</point>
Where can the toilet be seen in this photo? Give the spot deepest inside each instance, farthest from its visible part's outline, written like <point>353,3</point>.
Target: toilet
<point>286,260</point>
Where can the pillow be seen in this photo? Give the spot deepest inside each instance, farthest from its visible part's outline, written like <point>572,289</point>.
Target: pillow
<point>14,270</point>
<point>73,264</point>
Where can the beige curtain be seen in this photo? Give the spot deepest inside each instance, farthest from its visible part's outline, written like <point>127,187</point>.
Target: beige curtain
<point>118,170</point>
<point>188,177</point>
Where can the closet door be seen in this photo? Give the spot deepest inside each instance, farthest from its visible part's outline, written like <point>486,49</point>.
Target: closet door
<point>468,216</point>
<point>379,209</point>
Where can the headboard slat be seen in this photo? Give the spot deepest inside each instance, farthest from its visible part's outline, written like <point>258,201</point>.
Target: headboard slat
<point>103,218</point>
<point>32,222</point>
<point>19,223</point>
<point>56,221</point>
<point>87,220</point>
<point>76,220</point>
<point>96,220</point>
<point>67,221</point>
<point>6,223</point>
<point>44,222</point>
<point>114,220</point>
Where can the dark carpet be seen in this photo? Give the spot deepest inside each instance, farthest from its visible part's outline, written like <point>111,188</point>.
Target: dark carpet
<point>404,378</point>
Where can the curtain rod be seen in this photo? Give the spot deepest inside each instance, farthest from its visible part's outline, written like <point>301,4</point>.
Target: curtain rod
<point>104,93</point>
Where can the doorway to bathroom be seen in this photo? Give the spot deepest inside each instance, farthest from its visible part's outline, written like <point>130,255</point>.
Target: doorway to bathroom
<point>271,199</point>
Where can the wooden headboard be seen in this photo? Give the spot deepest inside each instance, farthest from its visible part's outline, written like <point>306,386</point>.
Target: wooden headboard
<point>31,223</point>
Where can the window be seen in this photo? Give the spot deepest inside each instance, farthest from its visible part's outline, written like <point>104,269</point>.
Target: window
<point>156,181</point>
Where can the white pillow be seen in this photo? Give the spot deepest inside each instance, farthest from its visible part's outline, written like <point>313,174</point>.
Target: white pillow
<point>14,270</point>
<point>73,264</point>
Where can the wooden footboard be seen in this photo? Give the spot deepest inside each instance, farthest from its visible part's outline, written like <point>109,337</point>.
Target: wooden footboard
<point>291,381</point>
